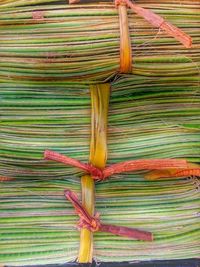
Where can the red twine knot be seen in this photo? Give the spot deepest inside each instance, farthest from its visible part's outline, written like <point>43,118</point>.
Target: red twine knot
<point>86,220</point>
<point>95,172</point>
<point>93,224</point>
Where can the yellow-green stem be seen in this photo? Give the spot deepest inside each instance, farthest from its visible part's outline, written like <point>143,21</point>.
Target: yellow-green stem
<point>98,155</point>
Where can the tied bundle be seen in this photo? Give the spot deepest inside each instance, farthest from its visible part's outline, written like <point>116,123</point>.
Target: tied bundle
<point>60,42</point>
<point>148,118</point>
<point>38,226</point>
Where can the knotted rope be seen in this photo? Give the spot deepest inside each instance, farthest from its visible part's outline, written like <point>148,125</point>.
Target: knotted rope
<point>93,223</point>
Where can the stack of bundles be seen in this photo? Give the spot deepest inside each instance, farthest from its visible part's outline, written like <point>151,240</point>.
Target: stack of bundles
<point>54,42</point>
<point>153,113</point>
<point>148,118</point>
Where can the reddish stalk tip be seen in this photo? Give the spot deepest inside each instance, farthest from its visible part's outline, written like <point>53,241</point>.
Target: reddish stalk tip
<point>46,153</point>
<point>6,179</point>
<point>67,192</point>
<point>74,2</point>
<point>70,195</point>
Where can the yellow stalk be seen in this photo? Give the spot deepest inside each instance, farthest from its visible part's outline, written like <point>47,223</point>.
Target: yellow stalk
<point>98,155</point>
<point>125,41</point>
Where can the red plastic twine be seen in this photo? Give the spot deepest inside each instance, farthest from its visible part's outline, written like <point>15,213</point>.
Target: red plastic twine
<point>131,165</point>
<point>144,164</point>
<point>94,224</point>
<point>88,168</point>
<point>158,22</point>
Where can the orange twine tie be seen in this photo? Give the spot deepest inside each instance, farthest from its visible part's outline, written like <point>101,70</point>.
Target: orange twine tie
<point>158,22</point>
<point>127,166</point>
